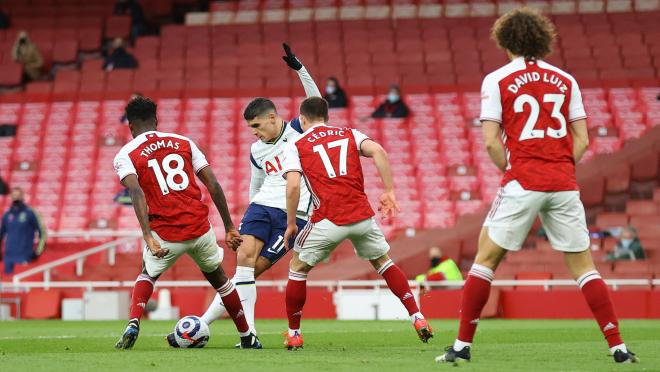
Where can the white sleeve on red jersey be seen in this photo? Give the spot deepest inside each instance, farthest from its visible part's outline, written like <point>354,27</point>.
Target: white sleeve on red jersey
<point>291,161</point>
<point>198,159</point>
<point>575,107</point>
<point>491,104</point>
<point>359,138</point>
<point>123,165</point>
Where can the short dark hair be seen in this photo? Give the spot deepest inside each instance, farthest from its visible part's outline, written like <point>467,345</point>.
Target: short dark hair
<point>141,108</point>
<point>314,108</point>
<point>525,33</point>
<point>257,107</point>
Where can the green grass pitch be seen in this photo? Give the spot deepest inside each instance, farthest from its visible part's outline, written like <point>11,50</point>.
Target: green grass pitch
<point>330,345</point>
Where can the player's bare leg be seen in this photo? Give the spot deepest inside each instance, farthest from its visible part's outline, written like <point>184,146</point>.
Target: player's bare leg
<point>296,294</point>
<point>232,303</point>
<point>597,295</point>
<point>142,290</point>
<point>475,295</point>
<point>398,284</point>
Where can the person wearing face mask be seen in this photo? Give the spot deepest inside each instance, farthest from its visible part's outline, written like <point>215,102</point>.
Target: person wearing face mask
<point>20,224</point>
<point>334,94</point>
<point>628,247</point>
<point>441,268</point>
<point>393,107</point>
<point>26,53</point>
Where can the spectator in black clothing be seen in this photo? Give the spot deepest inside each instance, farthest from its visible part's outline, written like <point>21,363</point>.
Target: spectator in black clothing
<point>334,94</point>
<point>133,9</point>
<point>119,58</point>
<point>393,107</point>
<point>4,20</point>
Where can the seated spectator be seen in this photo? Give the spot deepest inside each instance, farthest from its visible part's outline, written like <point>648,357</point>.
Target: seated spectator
<point>133,9</point>
<point>628,247</point>
<point>4,188</point>
<point>119,58</point>
<point>4,20</point>
<point>441,268</point>
<point>26,53</point>
<point>334,94</point>
<point>393,107</point>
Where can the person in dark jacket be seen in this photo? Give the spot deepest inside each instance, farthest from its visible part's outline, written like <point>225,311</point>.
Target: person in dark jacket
<point>393,107</point>
<point>628,247</point>
<point>119,58</point>
<point>133,9</point>
<point>20,224</point>
<point>334,94</point>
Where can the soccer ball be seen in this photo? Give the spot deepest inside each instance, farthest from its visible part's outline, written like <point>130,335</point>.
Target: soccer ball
<point>191,331</point>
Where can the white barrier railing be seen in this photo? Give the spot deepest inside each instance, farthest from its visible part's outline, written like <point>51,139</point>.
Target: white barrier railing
<point>90,234</point>
<point>337,285</point>
<point>78,258</point>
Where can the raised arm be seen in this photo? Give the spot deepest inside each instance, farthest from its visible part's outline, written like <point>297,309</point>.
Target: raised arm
<point>206,175</point>
<point>580,138</point>
<point>311,90</point>
<point>142,212</point>
<point>372,149</point>
<point>492,133</point>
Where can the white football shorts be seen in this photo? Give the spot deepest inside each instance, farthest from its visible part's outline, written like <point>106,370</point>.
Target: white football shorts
<point>514,209</point>
<point>317,240</point>
<point>203,250</point>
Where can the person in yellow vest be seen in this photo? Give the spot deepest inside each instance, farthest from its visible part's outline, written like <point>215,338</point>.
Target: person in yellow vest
<point>442,268</point>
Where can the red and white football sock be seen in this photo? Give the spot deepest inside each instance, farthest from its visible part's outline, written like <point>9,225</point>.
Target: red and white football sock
<point>597,295</point>
<point>398,284</point>
<point>144,287</point>
<point>234,308</point>
<point>296,294</point>
<point>475,295</point>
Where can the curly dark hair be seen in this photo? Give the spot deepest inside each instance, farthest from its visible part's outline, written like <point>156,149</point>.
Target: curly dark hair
<point>525,33</point>
<point>141,108</point>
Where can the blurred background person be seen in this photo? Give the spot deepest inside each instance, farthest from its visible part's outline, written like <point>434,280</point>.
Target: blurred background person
<point>335,94</point>
<point>26,53</point>
<point>133,9</point>
<point>393,107</point>
<point>4,20</point>
<point>628,247</point>
<point>20,224</point>
<point>441,268</point>
<point>119,57</point>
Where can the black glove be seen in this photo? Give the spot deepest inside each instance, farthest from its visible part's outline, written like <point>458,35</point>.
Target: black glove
<point>291,58</point>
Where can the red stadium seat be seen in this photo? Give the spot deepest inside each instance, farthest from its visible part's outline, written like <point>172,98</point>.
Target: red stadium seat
<point>11,74</point>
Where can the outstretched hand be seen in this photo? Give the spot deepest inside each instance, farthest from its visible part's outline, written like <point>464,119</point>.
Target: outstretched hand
<point>388,206</point>
<point>155,248</point>
<point>233,239</point>
<point>291,58</point>
<point>291,232</point>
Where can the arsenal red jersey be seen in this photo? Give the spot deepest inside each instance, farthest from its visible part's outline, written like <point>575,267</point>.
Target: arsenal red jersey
<point>329,159</point>
<point>166,165</point>
<point>535,103</point>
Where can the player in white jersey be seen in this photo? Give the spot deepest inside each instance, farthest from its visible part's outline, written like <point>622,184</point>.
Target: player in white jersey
<point>264,223</point>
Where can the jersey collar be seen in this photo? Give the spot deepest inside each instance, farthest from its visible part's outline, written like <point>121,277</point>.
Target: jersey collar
<point>284,124</point>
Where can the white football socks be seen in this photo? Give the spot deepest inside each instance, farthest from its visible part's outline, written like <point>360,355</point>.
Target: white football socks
<point>292,332</point>
<point>247,291</point>
<point>215,311</point>
<point>621,347</point>
<point>459,345</point>
<point>415,316</point>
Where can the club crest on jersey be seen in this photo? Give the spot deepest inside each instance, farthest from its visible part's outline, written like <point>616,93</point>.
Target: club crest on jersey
<point>273,167</point>
<point>154,146</point>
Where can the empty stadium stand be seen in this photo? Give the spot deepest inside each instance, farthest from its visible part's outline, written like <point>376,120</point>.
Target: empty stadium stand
<point>69,128</point>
